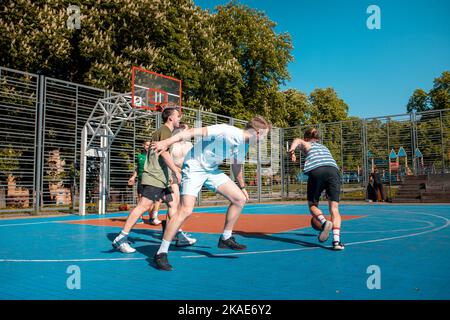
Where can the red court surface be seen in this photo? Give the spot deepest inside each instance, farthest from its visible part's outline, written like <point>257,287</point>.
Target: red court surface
<point>213,223</point>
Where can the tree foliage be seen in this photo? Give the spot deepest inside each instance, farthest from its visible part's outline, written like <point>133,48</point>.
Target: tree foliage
<point>437,98</point>
<point>232,61</point>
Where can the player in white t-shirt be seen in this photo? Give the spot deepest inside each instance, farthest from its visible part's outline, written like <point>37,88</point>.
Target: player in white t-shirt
<point>201,167</point>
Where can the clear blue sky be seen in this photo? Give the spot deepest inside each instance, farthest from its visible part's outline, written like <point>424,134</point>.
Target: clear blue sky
<point>374,71</point>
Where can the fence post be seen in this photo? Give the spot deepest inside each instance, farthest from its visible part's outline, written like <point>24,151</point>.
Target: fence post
<point>442,142</point>
<point>258,168</point>
<point>365,156</point>
<point>39,146</point>
<point>389,159</point>
<point>282,159</point>
<point>198,124</point>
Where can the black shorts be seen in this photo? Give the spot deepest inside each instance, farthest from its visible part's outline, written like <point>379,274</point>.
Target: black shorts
<point>324,178</point>
<point>155,194</point>
<point>140,188</point>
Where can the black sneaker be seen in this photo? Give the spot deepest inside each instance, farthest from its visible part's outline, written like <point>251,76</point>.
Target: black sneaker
<point>161,262</point>
<point>337,245</point>
<point>230,244</point>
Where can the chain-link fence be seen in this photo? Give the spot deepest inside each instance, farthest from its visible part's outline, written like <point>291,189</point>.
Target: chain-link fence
<point>42,119</point>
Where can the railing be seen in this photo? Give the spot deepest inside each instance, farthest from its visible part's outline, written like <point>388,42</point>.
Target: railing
<point>42,118</point>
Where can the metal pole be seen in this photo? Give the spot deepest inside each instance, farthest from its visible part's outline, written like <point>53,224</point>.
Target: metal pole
<point>39,149</point>
<point>389,159</point>
<point>413,141</point>
<point>282,159</point>
<point>287,172</point>
<point>258,169</point>
<point>103,173</point>
<point>342,156</point>
<point>83,160</point>
<point>365,156</point>
<point>198,124</point>
<point>442,143</point>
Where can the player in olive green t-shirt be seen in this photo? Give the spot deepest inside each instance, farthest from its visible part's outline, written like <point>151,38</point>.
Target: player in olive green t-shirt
<point>140,162</point>
<point>155,182</point>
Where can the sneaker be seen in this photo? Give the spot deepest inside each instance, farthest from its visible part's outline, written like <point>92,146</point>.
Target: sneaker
<point>155,221</point>
<point>337,245</point>
<point>183,239</point>
<point>123,246</point>
<point>162,262</point>
<point>326,228</point>
<point>230,244</point>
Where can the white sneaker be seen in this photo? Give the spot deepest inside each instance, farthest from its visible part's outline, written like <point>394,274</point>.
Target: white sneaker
<point>325,233</point>
<point>155,221</point>
<point>123,246</point>
<point>183,239</point>
<point>337,245</point>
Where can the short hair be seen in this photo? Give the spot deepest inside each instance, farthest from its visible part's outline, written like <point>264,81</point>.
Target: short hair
<point>258,122</point>
<point>311,133</point>
<point>146,140</point>
<point>167,110</point>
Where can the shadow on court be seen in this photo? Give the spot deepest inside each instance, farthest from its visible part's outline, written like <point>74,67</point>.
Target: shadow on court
<point>271,237</point>
<point>151,249</point>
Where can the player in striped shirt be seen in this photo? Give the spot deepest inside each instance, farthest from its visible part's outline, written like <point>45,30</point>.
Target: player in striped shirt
<point>323,174</point>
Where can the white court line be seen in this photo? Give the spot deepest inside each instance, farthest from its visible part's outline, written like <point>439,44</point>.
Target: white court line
<point>30,223</point>
<point>70,260</point>
<point>249,253</point>
<point>447,222</point>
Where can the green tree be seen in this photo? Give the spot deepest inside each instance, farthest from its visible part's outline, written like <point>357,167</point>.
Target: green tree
<point>295,109</point>
<point>419,101</point>
<point>262,54</point>
<point>440,93</point>
<point>327,106</point>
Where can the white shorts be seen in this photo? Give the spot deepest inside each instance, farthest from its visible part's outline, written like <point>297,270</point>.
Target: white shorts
<point>194,176</point>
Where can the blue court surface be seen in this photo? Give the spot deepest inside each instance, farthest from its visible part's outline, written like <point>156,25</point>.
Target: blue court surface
<point>392,252</point>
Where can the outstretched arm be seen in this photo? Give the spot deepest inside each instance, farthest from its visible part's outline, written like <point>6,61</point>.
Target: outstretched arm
<point>297,143</point>
<point>160,146</point>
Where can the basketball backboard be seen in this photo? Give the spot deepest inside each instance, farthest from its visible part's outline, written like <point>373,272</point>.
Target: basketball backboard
<point>150,89</point>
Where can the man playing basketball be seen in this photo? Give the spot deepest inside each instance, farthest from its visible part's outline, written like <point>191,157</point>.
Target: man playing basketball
<point>200,167</point>
<point>155,182</point>
<point>323,174</point>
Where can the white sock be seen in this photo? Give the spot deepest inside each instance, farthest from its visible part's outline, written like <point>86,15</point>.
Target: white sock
<point>227,234</point>
<point>164,248</point>
<point>336,234</point>
<point>155,214</point>
<point>321,218</point>
<point>121,235</point>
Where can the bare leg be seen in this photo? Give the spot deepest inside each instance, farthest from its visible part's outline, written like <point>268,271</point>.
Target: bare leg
<point>326,225</point>
<point>184,210</point>
<point>143,205</point>
<point>335,216</point>
<point>176,201</point>
<point>232,192</point>
<point>314,210</point>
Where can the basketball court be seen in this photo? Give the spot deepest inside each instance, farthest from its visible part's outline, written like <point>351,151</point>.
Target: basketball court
<point>407,245</point>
